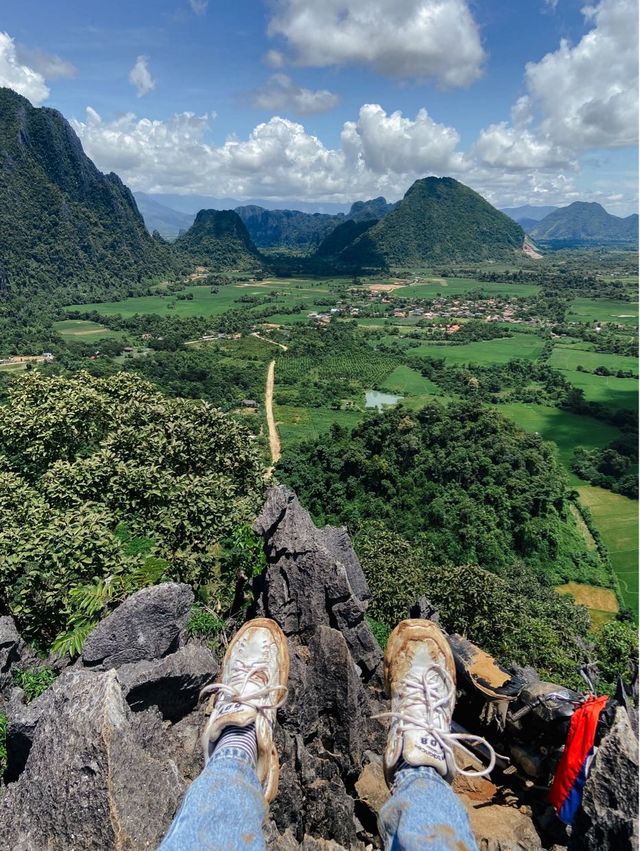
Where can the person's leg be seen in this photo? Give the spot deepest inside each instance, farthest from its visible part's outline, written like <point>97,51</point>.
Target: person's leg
<point>223,809</point>
<point>225,806</point>
<point>419,759</point>
<point>424,813</point>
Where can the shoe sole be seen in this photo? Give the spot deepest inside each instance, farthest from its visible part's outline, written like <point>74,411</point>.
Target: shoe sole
<point>416,629</point>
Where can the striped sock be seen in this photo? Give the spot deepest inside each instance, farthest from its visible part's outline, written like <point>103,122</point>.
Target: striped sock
<point>243,738</point>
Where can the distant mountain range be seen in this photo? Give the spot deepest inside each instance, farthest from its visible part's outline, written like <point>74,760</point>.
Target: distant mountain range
<point>585,222</point>
<point>527,213</point>
<point>167,221</point>
<point>62,222</point>
<point>64,225</point>
<point>268,228</point>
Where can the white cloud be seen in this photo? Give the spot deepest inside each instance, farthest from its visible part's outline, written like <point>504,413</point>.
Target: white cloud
<point>399,145</point>
<point>586,96</point>
<point>19,76</point>
<point>51,66</point>
<point>282,94</point>
<point>378,154</point>
<point>140,77</point>
<point>399,38</point>
<point>199,6</point>
<point>273,59</point>
<point>578,98</point>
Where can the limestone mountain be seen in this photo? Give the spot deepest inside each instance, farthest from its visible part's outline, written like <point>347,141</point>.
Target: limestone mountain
<point>219,239</point>
<point>303,230</point>
<point>586,222</point>
<point>375,208</point>
<point>438,220</point>
<point>342,236</point>
<point>286,228</point>
<point>528,213</point>
<point>64,224</point>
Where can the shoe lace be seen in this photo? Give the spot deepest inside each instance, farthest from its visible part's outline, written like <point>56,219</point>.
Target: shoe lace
<point>425,692</point>
<point>241,674</point>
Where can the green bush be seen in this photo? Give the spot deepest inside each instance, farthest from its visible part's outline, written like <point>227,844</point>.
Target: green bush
<point>616,652</point>
<point>380,630</point>
<point>107,486</point>
<point>34,682</point>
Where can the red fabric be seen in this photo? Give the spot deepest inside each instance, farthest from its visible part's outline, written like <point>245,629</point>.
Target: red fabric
<point>580,738</point>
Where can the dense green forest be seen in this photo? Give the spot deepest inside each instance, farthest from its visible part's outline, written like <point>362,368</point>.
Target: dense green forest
<point>457,503</point>
<point>64,224</point>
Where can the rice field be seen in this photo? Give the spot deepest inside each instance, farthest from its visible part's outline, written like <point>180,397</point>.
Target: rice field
<point>616,517</point>
<point>501,350</point>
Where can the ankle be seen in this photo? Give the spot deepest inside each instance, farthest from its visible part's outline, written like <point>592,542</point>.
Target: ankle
<point>237,741</point>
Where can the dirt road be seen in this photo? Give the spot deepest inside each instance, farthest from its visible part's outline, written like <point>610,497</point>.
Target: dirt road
<point>274,439</point>
<point>267,340</point>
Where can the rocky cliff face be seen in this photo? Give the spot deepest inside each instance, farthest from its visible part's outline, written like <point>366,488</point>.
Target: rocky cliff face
<point>63,222</point>
<point>103,757</point>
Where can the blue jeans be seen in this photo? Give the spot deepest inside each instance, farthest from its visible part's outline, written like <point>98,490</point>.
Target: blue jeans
<point>224,808</point>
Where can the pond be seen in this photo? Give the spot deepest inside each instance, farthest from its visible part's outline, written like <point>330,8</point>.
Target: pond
<point>376,399</point>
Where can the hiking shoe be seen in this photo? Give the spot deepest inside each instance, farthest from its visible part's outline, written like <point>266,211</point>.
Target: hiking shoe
<point>420,676</point>
<point>253,685</point>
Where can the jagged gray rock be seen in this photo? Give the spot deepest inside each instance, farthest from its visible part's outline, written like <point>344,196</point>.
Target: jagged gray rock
<point>314,578</point>
<point>315,589</point>
<point>326,726</point>
<point>88,783</point>
<point>22,721</point>
<point>11,646</point>
<point>608,817</point>
<point>173,684</point>
<point>148,625</point>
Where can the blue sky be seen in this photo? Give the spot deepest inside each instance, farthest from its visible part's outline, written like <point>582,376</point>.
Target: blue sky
<point>531,101</point>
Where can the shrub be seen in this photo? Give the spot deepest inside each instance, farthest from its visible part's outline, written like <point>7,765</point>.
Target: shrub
<point>34,682</point>
<point>107,486</point>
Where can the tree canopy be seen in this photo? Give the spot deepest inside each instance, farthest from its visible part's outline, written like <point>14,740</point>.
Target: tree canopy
<point>103,477</point>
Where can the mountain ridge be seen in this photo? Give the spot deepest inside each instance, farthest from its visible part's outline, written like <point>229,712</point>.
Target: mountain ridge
<point>62,221</point>
<point>439,219</point>
<point>588,222</point>
<point>219,237</point>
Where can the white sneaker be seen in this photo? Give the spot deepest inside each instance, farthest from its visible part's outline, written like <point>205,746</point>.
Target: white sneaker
<point>253,685</point>
<point>420,676</point>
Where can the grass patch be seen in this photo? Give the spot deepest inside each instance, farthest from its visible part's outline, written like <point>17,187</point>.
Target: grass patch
<point>610,391</point>
<point>83,330</point>
<point>296,424</point>
<point>459,286</point>
<point>569,358</point>
<point>563,428</point>
<point>616,517</point>
<point>208,301</point>
<point>408,382</point>
<point>502,350</point>
<point>603,310</point>
<point>600,599</point>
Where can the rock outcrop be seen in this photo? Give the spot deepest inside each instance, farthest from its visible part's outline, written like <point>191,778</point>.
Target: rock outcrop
<point>149,625</point>
<point>88,783</point>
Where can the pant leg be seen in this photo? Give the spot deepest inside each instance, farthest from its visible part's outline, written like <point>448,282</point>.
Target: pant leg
<point>223,809</point>
<point>424,812</point>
